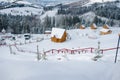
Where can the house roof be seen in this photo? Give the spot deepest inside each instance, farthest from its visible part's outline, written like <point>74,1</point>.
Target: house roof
<point>104,30</point>
<point>57,32</point>
<point>106,25</point>
<point>83,26</point>
<point>94,25</point>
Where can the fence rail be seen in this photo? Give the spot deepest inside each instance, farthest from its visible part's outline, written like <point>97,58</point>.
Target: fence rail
<point>70,51</point>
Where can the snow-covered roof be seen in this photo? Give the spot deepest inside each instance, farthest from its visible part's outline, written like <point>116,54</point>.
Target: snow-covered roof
<point>106,25</point>
<point>104,30</point>
<point>47,31</point>
<point>94,25</point>
<point>57,32</point>
<point>83,26</point>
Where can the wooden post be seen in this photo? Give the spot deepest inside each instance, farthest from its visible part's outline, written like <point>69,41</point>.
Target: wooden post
<point>117,49</point>
<point>44,56</point>
<point>91,50</point>
<point>38,54</point>
<point>10,49</point>
<point>102,51</point>
<point>52,51</point>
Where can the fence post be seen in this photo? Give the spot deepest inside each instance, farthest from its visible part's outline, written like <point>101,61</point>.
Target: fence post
<point>52,51</point>
<point>10,49</point>
<point>91,50</point>
<point>117,49</point>
<point>44,56</point>
<point>102,51</point>
<point>38,54</point>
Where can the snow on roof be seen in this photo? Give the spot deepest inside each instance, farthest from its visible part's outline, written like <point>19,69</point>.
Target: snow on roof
<point>106,25</point>
<point>104,30</point>
<point>57,32</point>
<point>83,26</point>
<point>94,25</point>
<point>47,31</point>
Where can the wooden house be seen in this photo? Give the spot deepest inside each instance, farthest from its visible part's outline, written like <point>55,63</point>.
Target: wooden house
<point>58,35</point>
<point>82,27</point>
<point>105,26</point>
<point>93,26</point>
<point>105,31</point>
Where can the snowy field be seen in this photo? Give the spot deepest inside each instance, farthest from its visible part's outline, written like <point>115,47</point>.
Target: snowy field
<point>63,66</point>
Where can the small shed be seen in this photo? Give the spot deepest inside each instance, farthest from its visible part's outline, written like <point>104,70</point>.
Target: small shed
<point>105,31</point>
<point>93,26</point>
<point>105,26</point>
<point>47,32</point>
<point>82,27</point>
<point>58,35</point>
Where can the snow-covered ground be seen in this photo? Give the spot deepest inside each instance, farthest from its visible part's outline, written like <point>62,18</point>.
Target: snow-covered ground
<point>62,66</point>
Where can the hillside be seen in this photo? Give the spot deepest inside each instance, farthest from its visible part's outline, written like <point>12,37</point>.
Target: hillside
<point>66,15</point>
<point>22,11</point>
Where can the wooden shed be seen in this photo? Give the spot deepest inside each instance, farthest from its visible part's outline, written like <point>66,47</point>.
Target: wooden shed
<point>82,27</point>
<point>93,26</point>
<point>105,26</point>
<point>58,35</point>
<point>105,31</point>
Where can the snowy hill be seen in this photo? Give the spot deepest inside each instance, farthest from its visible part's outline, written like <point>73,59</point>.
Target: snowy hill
<point>54,2</point>
<point>94,1</point>
<point>22,11</point>
<point>20,8</point>
<point>91,16</point>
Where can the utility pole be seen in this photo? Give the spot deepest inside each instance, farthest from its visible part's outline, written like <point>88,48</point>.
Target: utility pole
<point>117,48</point>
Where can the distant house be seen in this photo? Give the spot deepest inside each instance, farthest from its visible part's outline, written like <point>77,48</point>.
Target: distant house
<point>105,31</point>
<point>82,27</point>
<point>3,31</point>
<point>106,26</point>
<point>58,35</point>
<point>93,26</point>
<point>47,32</point>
